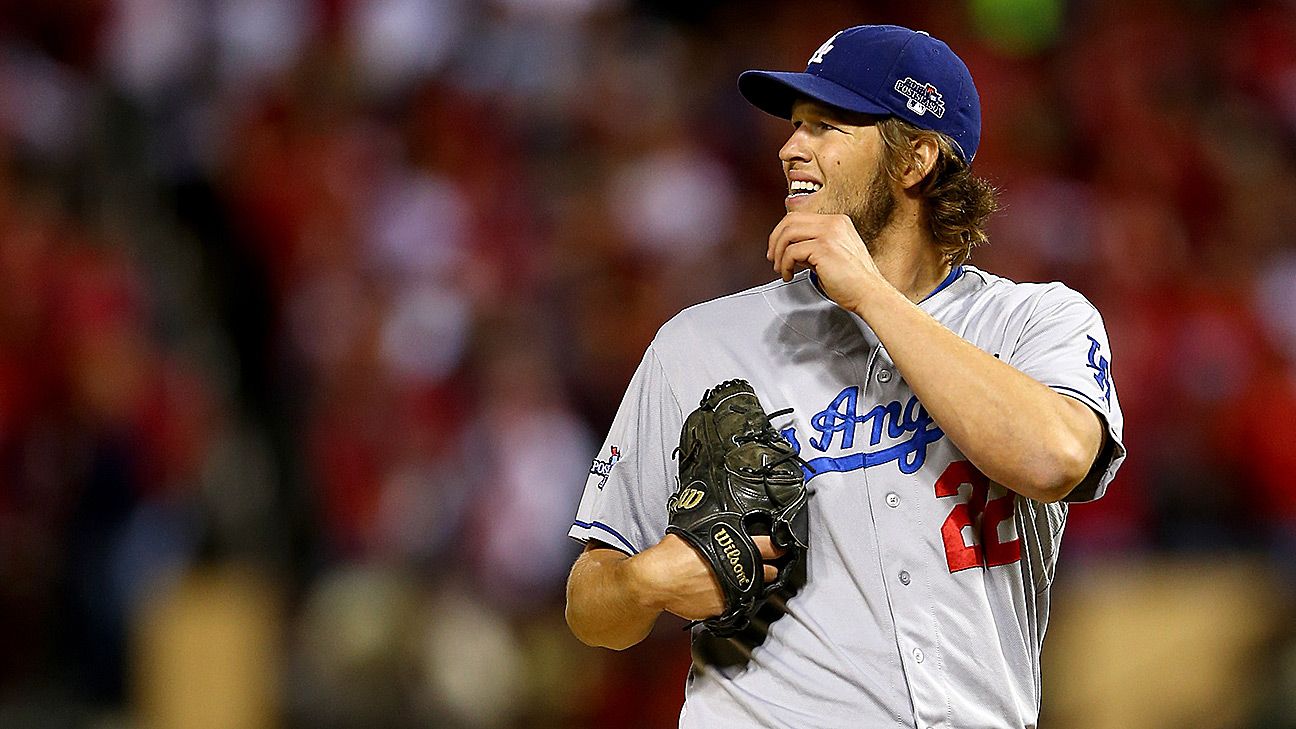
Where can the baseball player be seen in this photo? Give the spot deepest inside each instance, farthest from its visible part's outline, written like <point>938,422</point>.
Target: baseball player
<point>945,417</point>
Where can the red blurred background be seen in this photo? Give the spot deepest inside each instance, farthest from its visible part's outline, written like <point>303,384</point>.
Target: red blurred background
<point>313,312</point>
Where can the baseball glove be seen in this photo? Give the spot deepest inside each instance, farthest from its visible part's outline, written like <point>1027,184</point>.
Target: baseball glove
<point>738,477</point>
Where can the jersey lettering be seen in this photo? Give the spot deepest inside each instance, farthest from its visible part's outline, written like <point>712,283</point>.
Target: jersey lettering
<point>893,420</point>
<point>980,516</point>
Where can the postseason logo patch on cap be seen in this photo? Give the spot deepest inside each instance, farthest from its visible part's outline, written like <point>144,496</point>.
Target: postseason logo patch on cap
<point>921,98</point>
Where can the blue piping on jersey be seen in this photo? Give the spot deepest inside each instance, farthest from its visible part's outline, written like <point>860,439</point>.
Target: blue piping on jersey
<point>1081,396</point>
<point>609,530</point>
<point>814,281</point>
<point>953,275</point>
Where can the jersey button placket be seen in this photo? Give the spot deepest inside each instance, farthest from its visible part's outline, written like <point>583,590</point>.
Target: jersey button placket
<point>909,612</point>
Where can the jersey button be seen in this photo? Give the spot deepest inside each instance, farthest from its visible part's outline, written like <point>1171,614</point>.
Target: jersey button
<point>884,376</point>
<point>904,577</point>
<point>918,655</point>
<point>892,500</point>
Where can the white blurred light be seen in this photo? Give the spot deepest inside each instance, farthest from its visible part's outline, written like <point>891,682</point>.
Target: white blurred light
<point>542,459</point>
<point>558,10</point>
<point>675,202</point>
<point>152,44</point>
<point>419,226</point>
<point>396,42</point>
<point>426,333</point>
<point>474,663</point>
<point>43,104</point>
<point>261,38</point>
<point>355,636</point>
<point>1275,295</point>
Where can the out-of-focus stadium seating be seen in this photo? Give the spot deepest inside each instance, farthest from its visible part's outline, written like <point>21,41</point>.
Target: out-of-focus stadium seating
<point>313,314</point>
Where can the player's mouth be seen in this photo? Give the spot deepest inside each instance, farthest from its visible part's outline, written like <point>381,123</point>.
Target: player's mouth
<point>799,190</point>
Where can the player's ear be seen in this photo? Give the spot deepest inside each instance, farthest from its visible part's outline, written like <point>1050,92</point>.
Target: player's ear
<point>923,152</point>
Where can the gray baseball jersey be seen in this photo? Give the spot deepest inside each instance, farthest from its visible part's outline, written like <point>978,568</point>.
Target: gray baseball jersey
<point>926,589</point>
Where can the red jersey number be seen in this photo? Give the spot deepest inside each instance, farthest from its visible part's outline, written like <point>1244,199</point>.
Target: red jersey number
<point>981,519</point>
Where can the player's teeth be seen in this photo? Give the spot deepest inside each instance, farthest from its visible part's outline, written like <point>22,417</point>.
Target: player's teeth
<point>801,187</point>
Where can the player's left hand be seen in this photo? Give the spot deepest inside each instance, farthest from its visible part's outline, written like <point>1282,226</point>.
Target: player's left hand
<point>830,245</point>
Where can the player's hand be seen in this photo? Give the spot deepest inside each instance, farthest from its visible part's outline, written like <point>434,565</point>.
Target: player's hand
<point>830,245</point>
<point>672,576</point>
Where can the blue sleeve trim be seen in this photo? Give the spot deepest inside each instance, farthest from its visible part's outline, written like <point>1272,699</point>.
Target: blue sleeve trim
<point>609,530</point>
<point>1081,396</point>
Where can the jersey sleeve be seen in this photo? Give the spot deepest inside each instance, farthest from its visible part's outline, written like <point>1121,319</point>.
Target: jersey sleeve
<point>1064,346</point>
<point>624,503</point>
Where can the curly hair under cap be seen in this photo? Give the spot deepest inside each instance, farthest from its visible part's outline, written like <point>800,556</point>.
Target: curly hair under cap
<point>958,202</point>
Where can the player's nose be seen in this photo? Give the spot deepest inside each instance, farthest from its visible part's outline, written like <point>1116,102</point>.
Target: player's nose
<point>794,149</point>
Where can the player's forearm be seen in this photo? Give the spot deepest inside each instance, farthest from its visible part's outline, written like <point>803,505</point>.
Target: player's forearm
<point>605,605</point>
<point>1014,430</point>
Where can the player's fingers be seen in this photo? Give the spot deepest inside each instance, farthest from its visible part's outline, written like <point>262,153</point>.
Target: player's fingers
<point>768,549</point>
<point>796,256</point>
<point>779,231</point>
<point>777,235</point>
<point>791,229</point>
<point>771,573</point>
<point>773,236</point>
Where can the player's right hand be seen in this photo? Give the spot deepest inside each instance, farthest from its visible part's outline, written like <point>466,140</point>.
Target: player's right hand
<point>672,576</point>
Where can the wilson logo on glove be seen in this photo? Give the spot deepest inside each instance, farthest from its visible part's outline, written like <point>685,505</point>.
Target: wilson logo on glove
<point>685,500</point>
<point>723,539</point>
<point>743,478</point>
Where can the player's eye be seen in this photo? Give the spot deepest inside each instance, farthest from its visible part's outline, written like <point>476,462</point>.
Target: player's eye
<point>819,126</point>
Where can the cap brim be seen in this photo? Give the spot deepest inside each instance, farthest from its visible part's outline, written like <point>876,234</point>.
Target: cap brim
<point>774,92</point>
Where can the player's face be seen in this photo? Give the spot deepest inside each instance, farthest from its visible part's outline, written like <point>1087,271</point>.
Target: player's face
<point>832,163</point>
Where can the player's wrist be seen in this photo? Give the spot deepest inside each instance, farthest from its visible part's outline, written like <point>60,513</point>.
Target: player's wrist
<point>867,288</point>
<point>877,293</point>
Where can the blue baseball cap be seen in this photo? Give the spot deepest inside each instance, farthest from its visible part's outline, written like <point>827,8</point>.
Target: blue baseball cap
<point>884,70</point>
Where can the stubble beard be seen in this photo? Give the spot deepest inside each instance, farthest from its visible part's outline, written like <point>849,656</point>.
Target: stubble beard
<point>876,211</point>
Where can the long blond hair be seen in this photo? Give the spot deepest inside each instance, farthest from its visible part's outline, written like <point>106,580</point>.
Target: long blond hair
<point>958,203</point>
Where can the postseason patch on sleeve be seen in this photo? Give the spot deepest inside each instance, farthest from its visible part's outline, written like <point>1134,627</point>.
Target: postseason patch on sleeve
<point>603,468</point>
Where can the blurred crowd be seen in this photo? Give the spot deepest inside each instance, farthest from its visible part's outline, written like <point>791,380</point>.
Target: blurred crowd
<point>313,314</point>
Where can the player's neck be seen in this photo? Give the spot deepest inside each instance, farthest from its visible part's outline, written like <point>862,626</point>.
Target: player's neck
<point>909,260</point>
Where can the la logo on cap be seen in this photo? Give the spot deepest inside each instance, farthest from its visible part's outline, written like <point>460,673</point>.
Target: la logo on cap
<point>823,49</point>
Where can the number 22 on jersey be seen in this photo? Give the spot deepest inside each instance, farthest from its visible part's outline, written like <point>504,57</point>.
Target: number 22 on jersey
<point>978,517</point>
